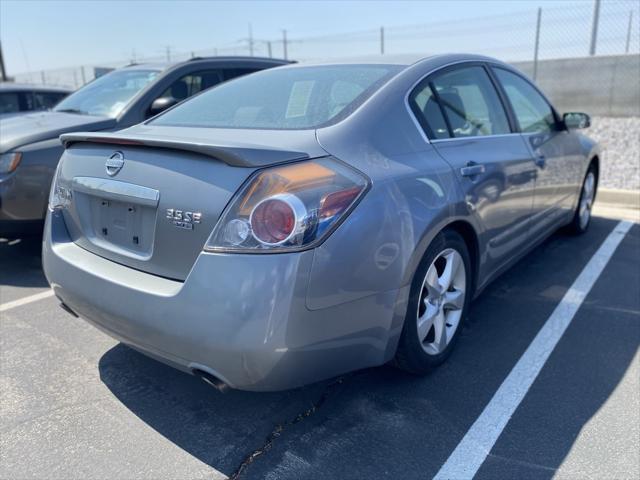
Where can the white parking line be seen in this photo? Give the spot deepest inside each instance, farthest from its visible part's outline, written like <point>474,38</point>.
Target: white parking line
<point>23,301</point>
<point>477,443</point>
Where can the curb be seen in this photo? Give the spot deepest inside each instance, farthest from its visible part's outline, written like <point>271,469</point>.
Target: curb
<point>609,197</point>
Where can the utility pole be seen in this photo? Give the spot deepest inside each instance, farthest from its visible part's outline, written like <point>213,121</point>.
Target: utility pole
<point>269,48</point>
<point>284,43</point>
<point>168,50</point>
<point>628,45</point>
<point>3,71</point>
<point>537,45</point>
<point>594,27</point>
<point>381,40</point>
<point>44,80</point>
<point>84,78</point>
<point>250,41</point>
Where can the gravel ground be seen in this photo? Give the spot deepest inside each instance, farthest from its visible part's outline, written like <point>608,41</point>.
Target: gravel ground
<point>620,139</point>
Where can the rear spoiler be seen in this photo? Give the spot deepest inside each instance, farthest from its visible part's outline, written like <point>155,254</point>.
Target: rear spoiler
<point>251,156</point>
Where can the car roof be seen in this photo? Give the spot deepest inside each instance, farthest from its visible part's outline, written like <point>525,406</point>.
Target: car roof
<point>161,66</point>
<point>402,60</point>
<point>399,59</point>
<point>26,87</point>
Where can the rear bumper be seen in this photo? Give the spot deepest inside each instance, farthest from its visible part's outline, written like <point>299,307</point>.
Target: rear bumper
<point>242,318</point>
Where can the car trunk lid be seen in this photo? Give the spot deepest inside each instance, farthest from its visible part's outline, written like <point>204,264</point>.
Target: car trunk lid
<point>151,201</point>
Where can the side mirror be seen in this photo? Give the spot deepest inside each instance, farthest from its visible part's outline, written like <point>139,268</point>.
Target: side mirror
<point>573,120</point>
<point>161,104</point>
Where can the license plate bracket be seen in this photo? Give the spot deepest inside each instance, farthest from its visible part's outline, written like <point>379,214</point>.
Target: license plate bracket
<point>121,226</point>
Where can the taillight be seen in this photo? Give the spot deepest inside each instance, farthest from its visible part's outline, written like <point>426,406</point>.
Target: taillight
<point>59,195</point>
<point>336,202</point>
<point>289,207</point>
<point>276,219</point>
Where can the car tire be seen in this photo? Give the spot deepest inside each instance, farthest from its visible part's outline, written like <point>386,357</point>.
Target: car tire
<point>582,216</point>
<point>438,304</point>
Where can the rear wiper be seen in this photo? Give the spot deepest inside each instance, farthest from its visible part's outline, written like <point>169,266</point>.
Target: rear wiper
<point>71,110</point>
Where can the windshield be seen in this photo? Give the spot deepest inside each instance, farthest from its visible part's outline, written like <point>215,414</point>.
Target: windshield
<point>108,94</point>
<point>282,98</point>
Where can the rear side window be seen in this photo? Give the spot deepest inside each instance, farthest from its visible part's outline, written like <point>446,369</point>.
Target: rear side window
<point>191,84</point>
<point>282,98</point>
<point>47,100</point>
<point>427,110</point>
<point>470,102</point>
<point>230,73</point>
<point>532,111</point>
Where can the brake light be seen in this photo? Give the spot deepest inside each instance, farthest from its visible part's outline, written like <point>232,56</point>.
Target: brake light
<point>336,202</point>
<point>273,221</point>
<point>289,207</point>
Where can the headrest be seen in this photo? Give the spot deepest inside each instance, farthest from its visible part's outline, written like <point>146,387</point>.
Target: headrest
<point>452,103</point>
<point>180,90</point>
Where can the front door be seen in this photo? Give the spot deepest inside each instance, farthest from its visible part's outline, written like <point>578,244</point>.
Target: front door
<point>552,147</point>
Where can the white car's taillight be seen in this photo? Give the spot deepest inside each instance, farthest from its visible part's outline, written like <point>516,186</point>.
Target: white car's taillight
<point>288,207</point>
<point>59,196</point>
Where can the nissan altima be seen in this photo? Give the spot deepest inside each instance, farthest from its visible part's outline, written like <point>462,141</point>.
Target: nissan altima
<point>310,220</point>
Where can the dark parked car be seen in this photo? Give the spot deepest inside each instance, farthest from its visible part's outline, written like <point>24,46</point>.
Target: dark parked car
<point>16,98</point>
<point>30,147</point>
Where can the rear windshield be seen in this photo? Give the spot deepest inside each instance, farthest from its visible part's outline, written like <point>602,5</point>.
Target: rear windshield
<point>282,98</point>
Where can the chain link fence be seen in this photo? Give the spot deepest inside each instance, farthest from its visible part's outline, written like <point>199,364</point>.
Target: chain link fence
<point>586,57</point>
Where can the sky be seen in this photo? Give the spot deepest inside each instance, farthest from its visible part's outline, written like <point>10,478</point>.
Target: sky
<point>39,35</point>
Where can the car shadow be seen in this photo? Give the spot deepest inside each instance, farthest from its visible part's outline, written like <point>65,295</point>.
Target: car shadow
<point>217,428</point>
<point>21,262</point>
<point>379,422</point>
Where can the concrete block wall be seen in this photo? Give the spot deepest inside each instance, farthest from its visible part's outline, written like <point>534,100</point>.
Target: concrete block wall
<point>600,86</point>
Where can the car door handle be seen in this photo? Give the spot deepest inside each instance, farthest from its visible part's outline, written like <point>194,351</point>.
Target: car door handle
<point>472,169</point>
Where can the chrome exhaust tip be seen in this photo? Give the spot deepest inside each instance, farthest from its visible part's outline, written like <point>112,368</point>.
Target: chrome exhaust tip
<point>211,380</point>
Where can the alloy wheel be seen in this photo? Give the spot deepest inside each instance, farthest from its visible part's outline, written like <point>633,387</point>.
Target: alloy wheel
<point>442,300</point>
<point>586,200</point>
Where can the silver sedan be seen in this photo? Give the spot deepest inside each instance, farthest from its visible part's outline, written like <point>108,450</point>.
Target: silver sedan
<point>309,220</point>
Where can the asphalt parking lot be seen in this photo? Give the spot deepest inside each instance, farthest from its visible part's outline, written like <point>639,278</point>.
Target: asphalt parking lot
<point>76,404</point>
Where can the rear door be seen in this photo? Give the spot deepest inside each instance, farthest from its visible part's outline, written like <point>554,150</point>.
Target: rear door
<point>555,151</point>
<point>466,120</point>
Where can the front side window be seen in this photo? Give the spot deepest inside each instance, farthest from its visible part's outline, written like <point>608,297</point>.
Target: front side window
<point>9,102</point>
<point>282,98</point>
<point>109,94</point>
<point>532,111</point>
<point>470,102</point>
